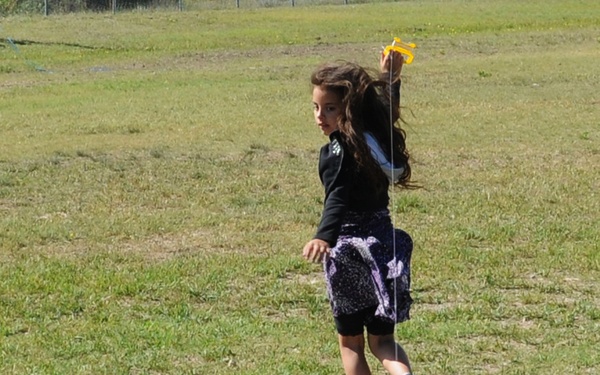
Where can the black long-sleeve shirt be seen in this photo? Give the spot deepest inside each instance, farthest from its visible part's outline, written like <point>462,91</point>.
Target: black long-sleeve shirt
<point>345,189</point>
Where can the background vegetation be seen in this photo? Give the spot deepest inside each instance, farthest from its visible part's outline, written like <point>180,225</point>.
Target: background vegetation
<point>158,181</point>
<point>52,7</point>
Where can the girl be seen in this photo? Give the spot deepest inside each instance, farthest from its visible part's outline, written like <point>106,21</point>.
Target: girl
<point>367,261</point>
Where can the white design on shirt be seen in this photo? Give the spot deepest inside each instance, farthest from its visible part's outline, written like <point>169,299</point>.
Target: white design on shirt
<point>390,171</point>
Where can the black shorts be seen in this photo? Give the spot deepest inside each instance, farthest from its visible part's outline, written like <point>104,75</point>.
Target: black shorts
<point>353,324</point>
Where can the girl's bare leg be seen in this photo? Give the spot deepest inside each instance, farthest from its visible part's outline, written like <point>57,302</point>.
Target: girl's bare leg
<point>390,354</point>
<point>352,349</point>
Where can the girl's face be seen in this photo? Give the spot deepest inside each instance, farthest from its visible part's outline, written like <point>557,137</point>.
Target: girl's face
<point>327,109</point>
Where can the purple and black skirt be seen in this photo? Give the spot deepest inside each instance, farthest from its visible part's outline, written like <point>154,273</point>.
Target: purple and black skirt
<point>365,269</point>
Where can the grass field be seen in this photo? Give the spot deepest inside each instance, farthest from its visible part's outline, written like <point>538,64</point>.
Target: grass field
<point>158,181</point>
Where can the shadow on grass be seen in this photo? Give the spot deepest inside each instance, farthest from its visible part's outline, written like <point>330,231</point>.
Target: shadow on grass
<point>24,42</point>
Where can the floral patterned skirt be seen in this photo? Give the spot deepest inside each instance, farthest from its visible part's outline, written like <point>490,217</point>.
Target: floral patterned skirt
<point>365,269</point>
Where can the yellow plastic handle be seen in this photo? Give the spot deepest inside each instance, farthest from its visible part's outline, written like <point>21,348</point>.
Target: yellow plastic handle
<point>404,48</point>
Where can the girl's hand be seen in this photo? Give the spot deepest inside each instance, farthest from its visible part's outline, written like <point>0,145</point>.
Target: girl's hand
<point>315,250</point>
<point>397,61</point>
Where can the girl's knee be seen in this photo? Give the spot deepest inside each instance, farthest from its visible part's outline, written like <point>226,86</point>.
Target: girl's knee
<point>352,342</point>
<point>379,342</point>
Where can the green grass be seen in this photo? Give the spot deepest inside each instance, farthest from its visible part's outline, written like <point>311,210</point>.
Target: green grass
<point>158,181</point>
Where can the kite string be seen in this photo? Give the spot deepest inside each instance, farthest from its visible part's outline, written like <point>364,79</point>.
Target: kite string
<point>392,201</point>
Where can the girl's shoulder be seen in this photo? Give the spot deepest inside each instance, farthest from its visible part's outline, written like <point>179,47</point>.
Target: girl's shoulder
<point>331,157</point>
<point>332,152</point>
<point>334,147</point>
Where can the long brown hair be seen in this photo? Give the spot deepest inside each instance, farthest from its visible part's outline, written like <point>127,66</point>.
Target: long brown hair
<point>366,108</point>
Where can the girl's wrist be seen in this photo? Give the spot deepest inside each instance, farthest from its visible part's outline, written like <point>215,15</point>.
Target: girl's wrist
<point>386,74</point>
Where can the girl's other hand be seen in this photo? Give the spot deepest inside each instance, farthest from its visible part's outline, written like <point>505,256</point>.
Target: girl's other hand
<point>397,61</point>
<point>315,250</point>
